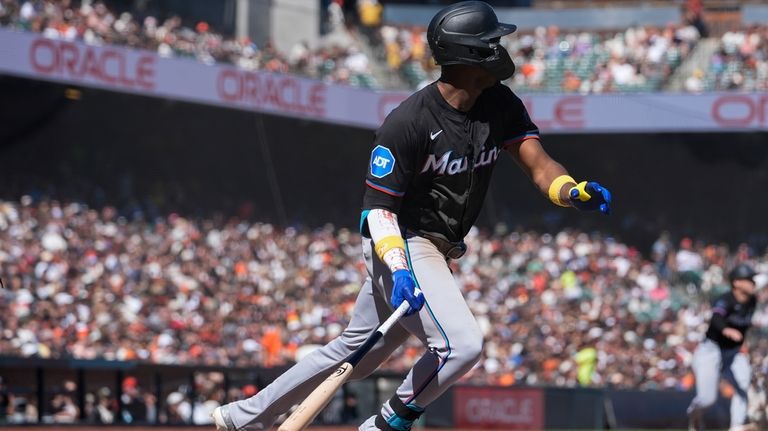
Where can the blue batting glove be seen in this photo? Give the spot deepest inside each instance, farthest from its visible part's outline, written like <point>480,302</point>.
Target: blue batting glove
<point>405,290</point>
<point>591,196</point>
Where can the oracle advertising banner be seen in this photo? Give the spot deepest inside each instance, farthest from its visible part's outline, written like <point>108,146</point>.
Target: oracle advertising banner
<point>498,408</point>
<point>146,73</point>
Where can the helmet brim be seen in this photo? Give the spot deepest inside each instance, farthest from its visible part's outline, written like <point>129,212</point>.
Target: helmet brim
<point>501,29</point>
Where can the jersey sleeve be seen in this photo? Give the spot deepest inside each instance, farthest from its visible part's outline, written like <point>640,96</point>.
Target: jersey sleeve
<point>519,125</point>
<point>391,164</point>
<point>720,311</point>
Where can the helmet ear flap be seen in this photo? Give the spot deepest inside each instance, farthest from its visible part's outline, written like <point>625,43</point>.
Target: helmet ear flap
<point>438,39</point>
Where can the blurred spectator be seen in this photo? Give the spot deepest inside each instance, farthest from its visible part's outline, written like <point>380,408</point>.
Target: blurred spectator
<point>62,407</point>
<point>586,361</point>
<point>21,410</point>
<point>741,61</point>
<point>689,264</point>
<point>178,409</point>
<point>5,402</point>
<point>694,83</point>
<point>134,404</point>
<point>349,412</point>
<point>103,412</point>
<point>249,391</point>
<point>370,12</point>
<point>571,82</point>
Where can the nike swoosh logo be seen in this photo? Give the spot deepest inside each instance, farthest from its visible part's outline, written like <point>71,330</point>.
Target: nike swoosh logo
<point>432,136</point>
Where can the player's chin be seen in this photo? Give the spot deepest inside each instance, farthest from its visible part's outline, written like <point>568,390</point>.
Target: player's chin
<point>482,77</point>
<point>486,81</point>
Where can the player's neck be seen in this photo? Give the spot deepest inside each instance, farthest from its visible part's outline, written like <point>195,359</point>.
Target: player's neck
<point>461,98</point>
<point>461,85</point>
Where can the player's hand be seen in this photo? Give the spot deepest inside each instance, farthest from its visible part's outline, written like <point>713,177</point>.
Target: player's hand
<point>590,196</point>
<point>733,334</point>
<point>405,290</point>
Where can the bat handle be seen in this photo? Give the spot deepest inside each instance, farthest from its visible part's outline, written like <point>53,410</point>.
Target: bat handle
<point>392,319</point>
<point>377,335</point>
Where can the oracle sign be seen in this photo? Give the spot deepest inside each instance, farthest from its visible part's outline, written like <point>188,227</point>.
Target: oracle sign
<point>566,112</point>
<point>103,65</point>
<point>279,92</point>
<point>740,110</point>
<point>498,408</point>
<point>33,56</point>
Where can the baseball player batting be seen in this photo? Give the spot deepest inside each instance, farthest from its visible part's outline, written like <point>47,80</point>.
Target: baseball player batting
<point>427,178</point>
<point>721,351</point>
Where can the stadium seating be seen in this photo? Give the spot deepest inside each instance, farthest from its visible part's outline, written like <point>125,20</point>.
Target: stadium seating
<point>242,293</point>
<point>638,59</point>
<point>741,61</point>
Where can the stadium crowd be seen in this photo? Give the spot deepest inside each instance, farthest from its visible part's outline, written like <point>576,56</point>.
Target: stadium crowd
<point>561,309</point>
<point>741,61</point>
<point>554,60</point>
<point>337,58</point>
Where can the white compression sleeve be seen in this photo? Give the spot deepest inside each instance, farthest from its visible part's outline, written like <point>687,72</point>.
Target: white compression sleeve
<point>387,239</point>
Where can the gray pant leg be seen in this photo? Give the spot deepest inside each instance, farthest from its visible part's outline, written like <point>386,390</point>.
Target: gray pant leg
<point>707,362</point>
<point>445,325</point>
<point>383,350</point>
<point>740,375</point>
<point>396,335</point>
<point>260,411</point>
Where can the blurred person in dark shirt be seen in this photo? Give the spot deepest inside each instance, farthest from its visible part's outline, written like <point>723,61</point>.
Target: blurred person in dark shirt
<point>5,401</point>
<point>721,351</point>
<point>134,403</point>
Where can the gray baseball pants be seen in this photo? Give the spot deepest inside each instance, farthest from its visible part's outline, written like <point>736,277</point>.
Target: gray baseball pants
<point>709,362</point>
<point>445,325</point>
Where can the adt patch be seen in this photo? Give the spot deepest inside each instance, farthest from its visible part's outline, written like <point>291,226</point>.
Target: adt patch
<point>382,162</point>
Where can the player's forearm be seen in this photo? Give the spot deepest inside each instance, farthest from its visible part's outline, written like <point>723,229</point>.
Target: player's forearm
<point>553,181</point>
<point>387,239</point>
<point>549,176</point>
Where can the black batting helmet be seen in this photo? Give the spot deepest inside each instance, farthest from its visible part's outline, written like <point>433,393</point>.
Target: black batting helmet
<point>742,272</point>
<point>468,33</point>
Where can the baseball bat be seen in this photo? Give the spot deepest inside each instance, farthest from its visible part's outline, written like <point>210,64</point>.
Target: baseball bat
<point>319,398</point>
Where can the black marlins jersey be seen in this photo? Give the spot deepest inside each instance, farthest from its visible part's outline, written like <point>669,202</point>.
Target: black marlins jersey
<point>729,313</point>
<point>431,164</point>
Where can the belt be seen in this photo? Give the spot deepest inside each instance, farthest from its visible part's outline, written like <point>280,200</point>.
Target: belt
<point>451,250</point>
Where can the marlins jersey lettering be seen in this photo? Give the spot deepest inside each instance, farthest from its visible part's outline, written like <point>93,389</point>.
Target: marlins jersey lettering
<point>431,164</point>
